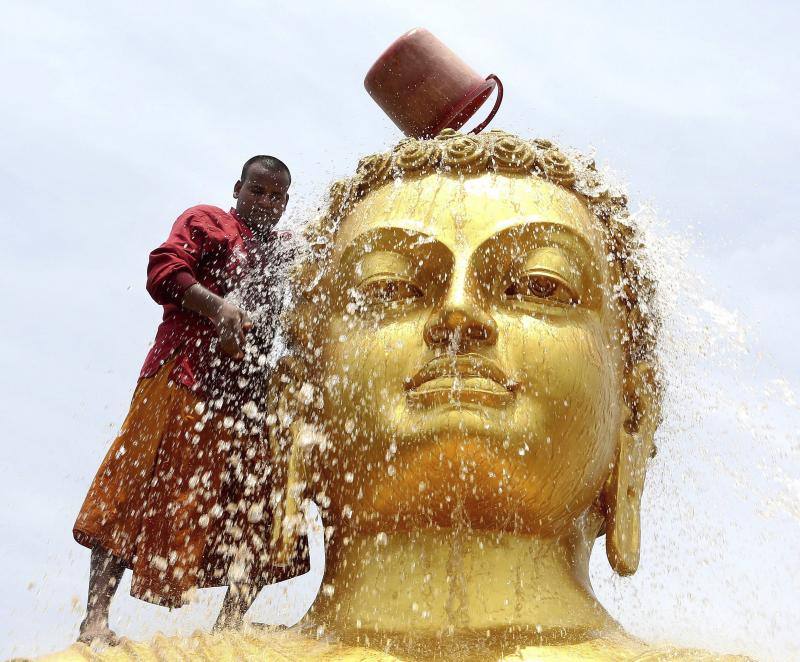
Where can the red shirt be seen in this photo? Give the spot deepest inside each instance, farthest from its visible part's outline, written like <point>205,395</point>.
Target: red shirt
<point>208,246</point>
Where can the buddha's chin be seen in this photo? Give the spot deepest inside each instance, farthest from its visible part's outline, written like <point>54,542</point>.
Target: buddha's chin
<point>449,510</point>
<point>451,482</point>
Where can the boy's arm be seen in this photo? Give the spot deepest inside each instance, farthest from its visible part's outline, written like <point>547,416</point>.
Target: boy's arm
<point>232,322</point>
<point>172,279</point>
<point>172,268</point>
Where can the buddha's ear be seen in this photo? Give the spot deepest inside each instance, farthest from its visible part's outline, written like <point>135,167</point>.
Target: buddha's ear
<point>287,408</point>
<point>623,492</point>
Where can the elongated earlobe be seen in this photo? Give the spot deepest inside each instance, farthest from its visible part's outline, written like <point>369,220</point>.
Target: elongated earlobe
<point>623,493</point>
<point>288,522</point>
<point>623,505</point>
<point>288,465</point>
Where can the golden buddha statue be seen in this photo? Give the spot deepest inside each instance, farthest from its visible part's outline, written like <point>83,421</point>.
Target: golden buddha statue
<point>470,398</point>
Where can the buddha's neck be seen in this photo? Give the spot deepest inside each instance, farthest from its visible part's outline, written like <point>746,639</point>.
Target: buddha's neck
<point>437,581</point>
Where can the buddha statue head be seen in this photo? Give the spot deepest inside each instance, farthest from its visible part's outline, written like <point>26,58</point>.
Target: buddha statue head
<point>472,393</point>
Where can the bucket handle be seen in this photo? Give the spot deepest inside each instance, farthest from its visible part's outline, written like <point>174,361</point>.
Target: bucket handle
<point>494,110</point>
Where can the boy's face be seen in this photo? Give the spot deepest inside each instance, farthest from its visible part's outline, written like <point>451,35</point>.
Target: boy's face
<point>262,197</point>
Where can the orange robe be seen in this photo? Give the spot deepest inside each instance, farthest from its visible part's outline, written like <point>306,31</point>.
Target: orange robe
<point>169,498</point>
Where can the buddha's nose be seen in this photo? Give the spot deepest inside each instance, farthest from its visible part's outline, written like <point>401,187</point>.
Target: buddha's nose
<point>460,324</point>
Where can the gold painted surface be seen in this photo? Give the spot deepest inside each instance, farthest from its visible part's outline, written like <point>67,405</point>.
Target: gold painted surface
<point>471,400</point>
<point>291,646</point>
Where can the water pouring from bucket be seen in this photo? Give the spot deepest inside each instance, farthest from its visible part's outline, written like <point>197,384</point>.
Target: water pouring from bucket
<point>424,87</point>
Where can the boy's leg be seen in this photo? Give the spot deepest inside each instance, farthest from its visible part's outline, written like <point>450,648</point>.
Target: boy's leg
<point>105,571</point>
<point>238,600</point>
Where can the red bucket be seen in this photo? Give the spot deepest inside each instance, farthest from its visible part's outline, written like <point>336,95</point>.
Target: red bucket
<point>425,87</point>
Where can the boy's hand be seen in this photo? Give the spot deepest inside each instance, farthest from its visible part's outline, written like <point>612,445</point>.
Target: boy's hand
<point>231,321</point>
<point>232,326</point>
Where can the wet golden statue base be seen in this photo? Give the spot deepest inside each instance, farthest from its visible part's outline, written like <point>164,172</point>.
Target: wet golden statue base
<point>294,644</point>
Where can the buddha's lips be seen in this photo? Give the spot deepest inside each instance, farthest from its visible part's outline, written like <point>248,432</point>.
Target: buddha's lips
<point>459,368</point>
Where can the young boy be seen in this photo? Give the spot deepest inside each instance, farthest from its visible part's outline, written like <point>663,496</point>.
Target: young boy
<point>157,503</point>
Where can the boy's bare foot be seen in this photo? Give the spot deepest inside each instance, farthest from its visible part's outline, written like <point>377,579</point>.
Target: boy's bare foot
<point>238,599</point>
<point>105,571</point>
<point>229,621</point>
<point>99,631</point>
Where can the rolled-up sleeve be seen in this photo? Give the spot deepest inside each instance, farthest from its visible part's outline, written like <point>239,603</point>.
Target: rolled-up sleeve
<point>172,268</point>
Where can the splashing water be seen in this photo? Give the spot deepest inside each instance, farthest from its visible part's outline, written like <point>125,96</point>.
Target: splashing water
<point>723,489</point>
<point>725,484</point>
<point>720,522</point>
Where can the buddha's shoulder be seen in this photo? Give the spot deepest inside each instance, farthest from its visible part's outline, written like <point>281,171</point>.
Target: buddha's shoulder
<point>260,645</point>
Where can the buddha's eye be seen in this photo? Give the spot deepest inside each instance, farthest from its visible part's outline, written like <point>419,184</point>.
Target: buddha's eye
<point>389,290</point>
<point>547,287</point>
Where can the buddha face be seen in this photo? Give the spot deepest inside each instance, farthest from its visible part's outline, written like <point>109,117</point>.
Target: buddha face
<point>471,370</point>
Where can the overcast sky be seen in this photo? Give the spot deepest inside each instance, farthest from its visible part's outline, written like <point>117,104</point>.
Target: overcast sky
<point>117,116</point>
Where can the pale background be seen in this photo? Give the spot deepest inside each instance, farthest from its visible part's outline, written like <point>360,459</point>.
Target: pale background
<point>117,116</point>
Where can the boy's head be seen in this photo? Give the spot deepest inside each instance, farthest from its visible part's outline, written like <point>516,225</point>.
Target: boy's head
<point>262,192</point>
